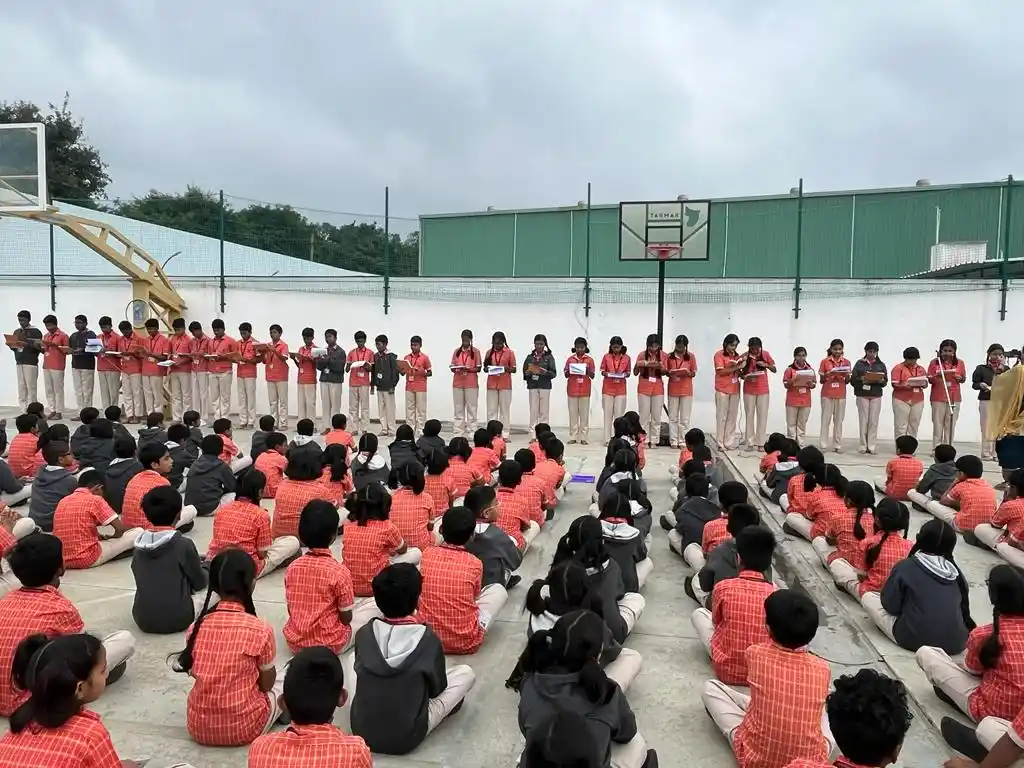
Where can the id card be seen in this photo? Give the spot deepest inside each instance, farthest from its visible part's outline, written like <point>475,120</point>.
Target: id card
<point>652,379</point>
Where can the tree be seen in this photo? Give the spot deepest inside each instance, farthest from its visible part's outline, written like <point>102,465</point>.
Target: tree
<point>74,168</point>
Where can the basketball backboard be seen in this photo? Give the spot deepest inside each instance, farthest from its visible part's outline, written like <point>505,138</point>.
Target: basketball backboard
<point>22,167</point>
<point>674,230</point>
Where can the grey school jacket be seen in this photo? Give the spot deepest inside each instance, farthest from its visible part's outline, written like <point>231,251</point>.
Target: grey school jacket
<point>29,354</point>
<point>80,359</point>
<point>50,486</point>
<point>860,389</point>
<point>384,373</point>
<point>167,572</point>
<point>209,478</point>
<point>115,480</point>
<point>937,479</point>
<point>549,370</point>
<point>497,551</point>
<point>332,366</point>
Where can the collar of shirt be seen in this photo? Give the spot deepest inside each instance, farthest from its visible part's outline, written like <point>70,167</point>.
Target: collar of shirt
<point>51,467</point>
<point>446,545</point>
<point>411,619</point>
<point>319,552</point>
<point>325,729</point>
<point>751,575</point>
<point>230,605</point>
<point>47,588</point>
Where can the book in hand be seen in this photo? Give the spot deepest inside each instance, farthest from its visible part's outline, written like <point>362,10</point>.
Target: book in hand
<point>404,367</point>
<point>260,346</point>
<point>357,364</point>
<point>534,370</point>
<point>807,373</point>
<point>578,369</point>
<point>873,377</point>
<point>166,363</point>
<point>13,341</point>
<point>495,370</point>
<point>617,375</point>
<point>917,381</point>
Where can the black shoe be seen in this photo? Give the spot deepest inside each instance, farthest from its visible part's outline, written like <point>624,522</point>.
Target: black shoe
<point>513,580</point>
<point>652,759</point>
<point>115,674</point>
<point>790,530</point>
<point>943,696</point>
<point>186,527</point>
<point>974,541</point>
<point>688,589</point>
<point>963,739</point>
<point>549,515</point>
<point>665,524</point>
<point>457,707</point>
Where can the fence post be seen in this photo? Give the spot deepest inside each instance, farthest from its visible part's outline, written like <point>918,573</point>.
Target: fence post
<point>1004,282</point>
<point>586,278</point>
<point>220,235</point>
<point>53,273</point>
<point>387,249</point>
<point>799,246</point>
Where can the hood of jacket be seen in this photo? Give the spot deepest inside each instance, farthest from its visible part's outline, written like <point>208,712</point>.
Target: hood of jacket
<point>151,433</point>
<point>150,542</point>
<point>123,468</point>
<point>619,531</point>
<point>936,566</point>
<point>376,461</point>
<point>303,440</point>
<point>47,477</point>
<point>389,649</point>
<point>205,465</point>
<point>787,466</point>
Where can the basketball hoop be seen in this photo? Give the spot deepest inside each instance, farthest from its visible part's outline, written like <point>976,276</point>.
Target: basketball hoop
<point>664,252</point>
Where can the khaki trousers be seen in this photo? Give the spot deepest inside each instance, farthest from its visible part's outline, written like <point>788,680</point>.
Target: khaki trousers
<point>220,394</point>
<point>991,729</point>
<point>796,421</point>
<point>247,402</point>
<point>625,668</point>
<point>416,410</point>
<point>120,646</point>
<point>110,388</point>
<point>988,447</point>
<point>944,422</point>
<point>465,401</point>
<point>180,386</point>
<point>579,418</point>
<point>131,390</point>
<point>277,393</point>
<point>833,411</point>
<point>906,417</point>
<point>649,407</point>
<point>53,386</point>
<point>540,407</point>
<point>461,679</point>
<point>499,406</point>
<point>631,607</point>
<point>307,401</point>
<point>727,408</point>
<point>201,394</point>
<point>28,384</point>
<point>386,411</point>
<point>111,548</point>
<point>358,409</point>
<point>872,602</point>
<point>755,410</point>
<point>613,407</point>
<point>679,409</point>
<point>281,549</point>
<point>948,676</point>
<point>152,394</point>
<point>330,401</point>
<point>84,381</point>
<point>868,411</point>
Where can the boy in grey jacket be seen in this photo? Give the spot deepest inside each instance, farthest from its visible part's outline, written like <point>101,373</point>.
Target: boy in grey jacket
<point>53,482</point>
<point>182,455</point>
<point>332,377</point>
<point>937,479</point>
<point>384,378</point>
<point>495,549</point>
<point>723,561</point>
<point>209,479</point>
<point>123,467</point>
<point>154,431</point>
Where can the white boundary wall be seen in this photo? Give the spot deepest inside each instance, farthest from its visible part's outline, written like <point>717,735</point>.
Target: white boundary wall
<point>895,321</point>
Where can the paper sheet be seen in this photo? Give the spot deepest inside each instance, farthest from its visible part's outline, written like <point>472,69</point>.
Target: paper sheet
<point>578,369</point>
<point>615,375</point>
<point>495,370</point>
<point>357,364</point>
<point>166,363</point>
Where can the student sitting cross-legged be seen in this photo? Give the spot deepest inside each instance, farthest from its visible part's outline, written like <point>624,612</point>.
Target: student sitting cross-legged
<point>154,431</point>
<point>563,739</point>
<point>776,482</point>
<point>691,517</point>
<point>483,458</point>
<point>272,462</point>
<point>1005,534</point>
<point>938,478</point>
<point>123,467</point>
<point>265,427</point>
<point>77,519</point>
<point>166,567</point>
<point>454,601</point>
<point>848,530</point>
<point>783,717</point>
<point>156,462</point>
<point>886,547</point>
<point>625,542</point>
<point>303,482</point>
<point>412,508</point>
<point>229,648</point>
<point>210,481</point>
<point>370,540</point>
<point>797,497</point>
<point>828,486</point>
<point>318,588</point>
<point>336,477</point>
<point>39,607</point>
<point>970,502</point>
<point>736,620</point>
<point>230,453</point>
<point>304,441</point>
<point>245,525</point>
<point>715,531</point>
<point>514,516</point>
<point>403,690</point>
<point>723,562</point>
<point>551,469</point>
<point>459,473</point>
<point>496,550</point>
<point>540,500</point>
<point>183,455</point>
<point>314,687</point>
<point>902,473</point>
<point>53,482</point>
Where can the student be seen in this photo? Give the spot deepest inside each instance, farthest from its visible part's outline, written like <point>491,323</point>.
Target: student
<point>87,416</point>
<point>625,542</point>
<point>303,482</point>
<point>728,364</point>
<point>230,453</point>
<point>459,473</point>
<point>360,373</point>
<point>540,499</point>
<point>824,489</point>
<point>925,600</point>
<point>155,350</point>
<point>113,415</point>
<point>678,491</point>
<point>430,440</point>
<point>244,525</point>
<point>939,478</point>
<point>798,380</point>
<point>723,560</point>
<point>275,365</point>
<point>1005,534</point>
<point>466,363</point>
<point>682,368</point>
<point>417,370</point>
<point>499,444</point>
<point>181,456</point>
<point>651,365</point>
<point>514,514</point>
<point>908,383</point>
<point>314,687</point>
<point>223,352</point>
<point>412,509</point>
<point>838,535</point>
<point>869,717</point>
<point>981,381</point>
<point>336,477</point>
<point>438,482</point>
<point>199,348</point>
<point>691,517</point>
<point>496,550</point>
<point>403,449</point>
<point>482,458</point>
<point>615,369</point>
<point>179,376</point>
<point>123,467</point>
<point>539,370</point>
<point>834,372</point>
<point>736,621</point>
<point>368,466</point>
<point>403,690</point>
<point>108,366</point>
<point>551,470</point>
<point>369,539</point>
<point>783,717</point>
<point>991,681</point>
<point>194,422</point>
<point>39,607</point>
<point>79,515</point>
<point>755,371</point>
<point>38,410</point>
<point>776,482</point>
<point>868,379</point>
<point>230,648</point>
<point>945,396</point>
<point>563,674</point>
<point>499,364</point>
<point>716,531</point>
<point>903,472</point>
<point>579,372</point>
<point>56,348</point>
<point>772,448</point>
<point>306,364</point>
<point>970,502</point>
<point>331,365</point>
<point>259,436</point>
<point>53,482</point>
<point>210,481</point>
<point>22,450</point>
<point>26,358</point>
<point>166,567</point>
<point>535,444</point>
<point>384,379</point>
<point>154,431</point>
<point>318,588</point>
<point>13,490</point>
<point>886,547</point>
<point>339,433</point>
<point>57,433</point>
<point>96,449</point>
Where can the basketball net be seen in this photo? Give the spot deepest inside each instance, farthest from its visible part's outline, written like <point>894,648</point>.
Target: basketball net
<point>664,252</point>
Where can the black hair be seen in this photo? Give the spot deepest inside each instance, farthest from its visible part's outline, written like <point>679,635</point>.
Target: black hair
<point>742,516</point>
<point>911,353</point>
<point>937,537</point>
<point>949,343</point>
<point>616,506</point>
<point>373,502</point>
<point>526,459</point>
<point>36,559</point>
<point>396,590</point>
<point>274,439</point>
<point>834,343</point>
<point>89,414</point>
<point>790,448</point>
<point>24,313</point>
<point>50,670</point>
<point>553,447</point>
<point>151,453</point>
<point>579,340</point>
<point>583,542</point>
<point>797,351</point>
<point>563,740</point>
<point>891,517</point>
<point>308,333</point>
<point>124,447</point>
<point>368,445</point>
<point>702,453</point>
<point>339,421</point>
<point>250,486</point>
<point>812,461</point>
<point>731,493</point>
<point>568,589</point>
<point>267,423</point>
<point>54,451</point>
<point>90,478</point>
<point>218,323</point>
<point>482,438</point>
<point>792,618</point>
<point>50,320</point>
<point>305,427</point>
<point>510,474</point>
<point>152,323</point>
<point>542,339</point>
<point>220,426</point>
<point>26,422</point>
<point>437,462</point>
<point>1006,591</point>
<point>318,524</point>
<point>177,323</point>
<point>162,505</point>
<point>478,498</point>
<point>381,338</point>
<point>616,340</point>
<point>431,428</point>
<point>245,326</point>
<point>694,437</point>
<point>102,429</point>
<point>906,444</point>
<point>693,467</point>
<point>313,686</point>
<point>195,325</point>
<point>404,432</point>
<point>496,337</point>
<point>276,327</point>
<point>862,496</point>
<point>495,428</point>
<point>459,447</point>
<point>303,466</point>
<point>826,476</point>
<point>212,445</point>
<point>232,577</point>
<point>652,338</point>
<point>697,485</point>
<point>681,339</point>
<point>755,546</point>
<point>191,418</point>
<point>869,716</point>
<point>458,526</point>
<point>35,407</point>
<point>944,453</point>
<point>56,433</point>
<point>177,433</point>
<point>774,442</point>
<point>416,339</point>
<point>1016,481</point>
<point>615,445</point>
<point>410,475</point>
<point>625,459</point>
<point>156,418</point>
<point>730,338</point>
<point>572,646</point>
<point>971,466</point>
<point>336,457</point>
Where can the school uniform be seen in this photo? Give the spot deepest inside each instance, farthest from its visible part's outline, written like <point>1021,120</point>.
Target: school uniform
<point>384,379</point>
<point>514,518</point>
<point>26,364</point>
<point>484,460</point>
<point>691,517</point>
<point>442,490</point>
<point>734,624</point>
<point>755,399</point>
<point>680,395</point>
<point>411,513</point>
<point>332,383</point>
<point>651,394</point>
<point>108,369</point>
<point>901,476</point>
<point>907,403</point>
<point>833,400</point>
<point>722,563</point>
<point>50,486</point>
<point>366,550</point>
<point>416,390</point>
<point>246,375</point>
<point>499,385</point>
<point>54,364</point>
<point>292,497</point>
<point>209,481</point>
<point>81,740</point>
<point>626,546</point>
<point>258,444</point>
<point>462,477</point>
<point>777,480</point>
<point>132,388</point>
<point>93,451</point>
<point>497,552</point>
<point>149,435</point>
<point>359,384</point>
<point>137,488</point>
<point>621,665</point>
<point>167,572</point>
<point>798,399</point>
<point>538,385</point>
<point>306,381</point>
<point>366,471</point>
<point>12,490</point>
<point>220,375</point>
<point>233,457</point>
<point>275,371</point>
<point>977,505</point>
<point>153,375</point>
<point>246,526</point>
<point>317,590</point>
<point>945,399</point>
<point>75,522</point>
<point>21,453</point>
<point>892,550</point>
<point>727,398</point>
<point>403,690</point>
<point>1008,543</point>
<point>297,744</point>
<point>869,401</point>
<point>179,376</point>
<point>981,380</point>
<point>200,348</point>
<point>116,479</point>
<point>621,609</point>
<point>615,369</point>
<point>934,484</point>
<point>83,368</point>
<point>991,729</point>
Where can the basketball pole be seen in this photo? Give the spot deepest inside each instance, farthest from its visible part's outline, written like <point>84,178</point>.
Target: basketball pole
<point>661,300</point>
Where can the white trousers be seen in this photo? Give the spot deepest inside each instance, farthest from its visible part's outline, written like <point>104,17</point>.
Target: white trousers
<point>358,409</point>
<point>796,421</point>
<point>540,407</point>
<point>868,411</point>
<point>579,418</point>
<point>330,401</point>
<point>53,386</point>
<point>84,381</point>
<point>416,410</point>
<point>800,524</point>
<point>613,406</point>
<point>833,412</point>
<point>28,385</point>
<point>906,417</point>
<point>885,621</point>
<point>465,402</point>
<point>201,394</point>
<point>152,394</point>
<point>180,387</point>
<point>220,394</point>
<point>247,402</point>
<point>131,391</point>
<point>499,406</point>
<point>110,388</point>
<point>988,447</point>
<point>944,422</point>
<point>111,548</point>
<point>948,676</point>
<point>386,412</point>
<point>307,401</point>
<point>281,549</point>
<point>649,408</point>
<point>679,409</point>
<point>727,409</point>
<point>631,607</point>
<point>277,393</point>
<point>755,413</point>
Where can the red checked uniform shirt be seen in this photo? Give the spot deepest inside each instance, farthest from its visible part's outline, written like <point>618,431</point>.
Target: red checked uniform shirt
<point>681,385</point>
<point>451,584</point>
<point>715,532</point>
<point>579,385</point>
<point>799,499</point>
<point>130,362</point>
<point>272,464</point>
<point>131,509</point>
<point>834,385</point>
<point>798,397</point>
<point>225,707</point>
<point>411,512</point>
<point>304,746</point>
<point>241,525</point>
<point>247,349</point>
<point>894,549</point>
<point>650,381</point>
<point>276,369</point>
<point>21,454</point>
<point>900,374</point>
<point>307,366</point>
<point>74,523</point>
<point>419,367</point>
<point>200,347</point>
<point>317,590</point>
<point>111,343</point>
<point>977,503</point>
<point>360,377</point>
<point>466,376</point>
<point>535,497</point>
<point>901,475</point>
<point>82,742</point>
<point>953,373</point>
<point>461,475</point>
<point>180,349</point>
<point>1010,515</point>
<point>224,346</point>
<point>827,503</point>
<point>157,345</point>
<point>53,358</point>
<point>292,497</point>
<point>442,490</point>
<point>483,460</point>
<point>737,611</point>
<point>506,359</point>
<point>758,385</point>
<point>367,551</point>
<point>513,514</point>
<point>615,386</point>
<point>1002,688</point>
<point>25,612</point>
<point>840,527</point>
<point>726,383</point>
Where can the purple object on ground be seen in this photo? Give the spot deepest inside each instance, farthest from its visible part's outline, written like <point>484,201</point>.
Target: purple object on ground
<point>583,479</point>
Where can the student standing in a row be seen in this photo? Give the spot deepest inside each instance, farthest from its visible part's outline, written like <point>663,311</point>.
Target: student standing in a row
<point>55,351</point>
<point>359,367</point>
<point>246,375</point>
<point>499,365</point>
<point>756,392</point>
<point>651,365</point>
<point>200,348</point>
<point>682,367</point>
<point>982,380</point>
<point>538,371</point>
<point>615,368</point>
<point>799,379</point>
<point>332,379</point>
<point>384,379</point>
<point>416,371</point>
<point>728,364</point>
<point>275,367</point>
<point>946,397</point>
<point>223,351</point>
<point>908,382</point>
<point>26,359</point>
<point>108,367</point>
<point>179,379</point>
<point>465,365</point>
<point>834,372</point>
<point>129,348</point>
<point>579,375</point>
<point>83,364</point>
<point>868,378</point>
<point>155,349</point>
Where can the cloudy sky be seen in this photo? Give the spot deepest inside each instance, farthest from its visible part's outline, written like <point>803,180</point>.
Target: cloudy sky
<point>461,104</point>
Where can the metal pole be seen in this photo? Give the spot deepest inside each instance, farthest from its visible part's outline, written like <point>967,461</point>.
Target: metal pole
<point>220,235</point>
<point>387,249</point>
<point>661,298</point>
<point>1005,283</point>
<point>586,279</point>
<point>53,273</point>
<point>799,246</point>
